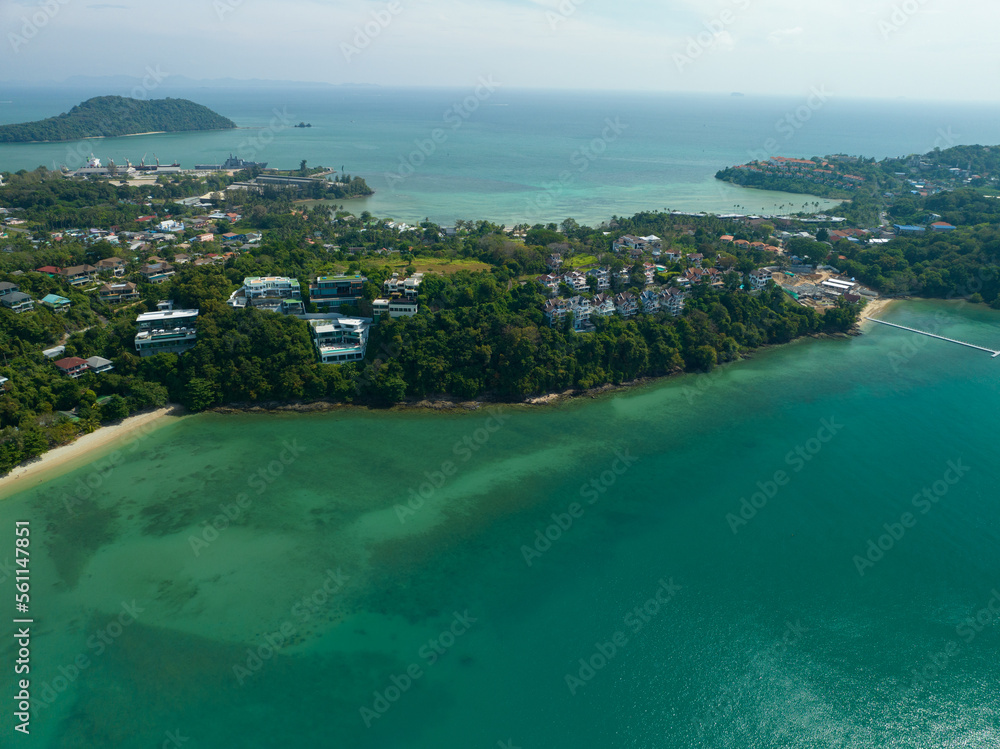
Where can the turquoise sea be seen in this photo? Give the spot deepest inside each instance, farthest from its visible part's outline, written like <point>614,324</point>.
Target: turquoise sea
<point>800,550</point>
<point>521,156</point>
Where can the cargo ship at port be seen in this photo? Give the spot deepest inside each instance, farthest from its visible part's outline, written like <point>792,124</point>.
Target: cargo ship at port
<point>94,168</point>
<point>144,167</point>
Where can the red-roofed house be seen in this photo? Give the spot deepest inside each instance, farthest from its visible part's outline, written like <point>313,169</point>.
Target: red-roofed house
<point>72,366</point>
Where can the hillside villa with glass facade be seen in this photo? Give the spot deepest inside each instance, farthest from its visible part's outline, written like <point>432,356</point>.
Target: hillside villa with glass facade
<point>341,340</point>
<point>166,331</point>
<point>329,292</point>
<point>273,293</point>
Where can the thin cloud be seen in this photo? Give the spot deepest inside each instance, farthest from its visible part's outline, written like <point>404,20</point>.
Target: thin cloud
<point>784,46</point>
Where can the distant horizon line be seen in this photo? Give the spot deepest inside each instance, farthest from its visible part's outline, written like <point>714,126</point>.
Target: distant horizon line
<point>182,81</point>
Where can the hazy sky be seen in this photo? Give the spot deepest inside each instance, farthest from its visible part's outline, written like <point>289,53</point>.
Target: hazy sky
<point>913,48</point>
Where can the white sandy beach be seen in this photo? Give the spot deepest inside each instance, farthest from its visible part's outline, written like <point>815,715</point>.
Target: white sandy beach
<point>76,454</point>
<point>874,308</point>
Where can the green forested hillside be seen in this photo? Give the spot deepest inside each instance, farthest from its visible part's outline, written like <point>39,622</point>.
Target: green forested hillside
<point>108,116</point>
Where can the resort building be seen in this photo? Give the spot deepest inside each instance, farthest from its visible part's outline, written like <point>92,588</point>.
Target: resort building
<point>17,302</point>
<point>641,244</point>
<point>56,302</point>
<point>650,301</point>
<point>695,275</point>
<point>272,293</point>
<point>263,287</point>
<point>340,340</point>
<point>576,281</point>
<point>394,307</point>
<point>98,364</point>
<point>626,304</point>
<point>580,307</point>
<point>555,310</point>
<point>408,288</point>
<point>78,275</point>
<point>603,276</point>
<point>672,301</point>
<point>157,272</point>
<point>603,305</point>
<point>551,283</point>
<point>121,291</point>
<point>113,265</point>
<point>73,366</point>
<point>759,278</point>
<point>330,292</point>
<point>166,331</point>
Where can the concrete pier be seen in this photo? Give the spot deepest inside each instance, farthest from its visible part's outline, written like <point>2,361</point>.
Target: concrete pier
<point>994,354</point>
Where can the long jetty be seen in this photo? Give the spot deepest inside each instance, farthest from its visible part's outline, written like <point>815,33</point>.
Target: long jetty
<point>994,354</point>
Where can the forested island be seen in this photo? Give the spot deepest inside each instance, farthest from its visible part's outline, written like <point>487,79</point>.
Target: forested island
<point>483,330</point>
<point>110,116</point>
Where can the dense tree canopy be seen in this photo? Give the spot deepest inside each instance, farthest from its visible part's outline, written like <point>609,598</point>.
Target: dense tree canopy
<point>480,333</point>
